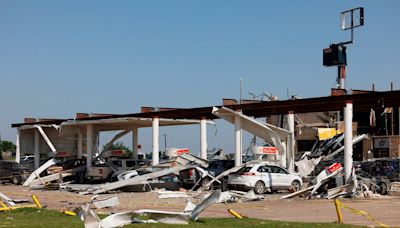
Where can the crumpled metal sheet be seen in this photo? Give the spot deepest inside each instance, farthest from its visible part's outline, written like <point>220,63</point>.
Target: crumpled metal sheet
<point>213,198</point>
<point>166,217</point>
<point>118,219</point>
<point>107,202</point>
<point>88,216</point>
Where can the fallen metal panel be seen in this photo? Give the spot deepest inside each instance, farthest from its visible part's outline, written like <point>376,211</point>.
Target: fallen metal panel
<point>322,178</point>
<point>184,159</point>
<point>96,189</point>
<point>39,170</point>
<point>213,198</point>
<point>172,194</point>
<point>270,133</point>
<point>297,193</point>
<point>117,220</point>
<point>53,149</point>
<point>166,217</point>
<point>334,192</point>
<point>57,176</point>
<point>225,173</point>
<point>333,154</point>
<point>90,219</point>
<point>7,200</point>
<point>108,202</point>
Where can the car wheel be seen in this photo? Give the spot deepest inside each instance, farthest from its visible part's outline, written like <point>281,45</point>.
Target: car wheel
<point>382,189</point>
<point>16,180</point>
<point>204,183</point>
<point>259,187</point>
<point>296,186</point>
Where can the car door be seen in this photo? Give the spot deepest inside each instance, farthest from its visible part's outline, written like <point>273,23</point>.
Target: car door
<point>264,173</point>
<point>276,177</point>
<point>284,178</point>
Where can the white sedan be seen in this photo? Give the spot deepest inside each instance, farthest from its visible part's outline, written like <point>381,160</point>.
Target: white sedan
<point>263,177</point>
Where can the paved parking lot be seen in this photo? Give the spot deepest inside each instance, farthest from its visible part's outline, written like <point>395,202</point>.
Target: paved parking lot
<point>385,209</point>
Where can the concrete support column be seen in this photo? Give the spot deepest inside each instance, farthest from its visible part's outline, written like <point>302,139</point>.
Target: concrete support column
<point>203,138</point>
<point>79,145</point>
<point>135,142</point>
<point>291,142</point>
<point>89,145</point>
<point>156,155</point>
<point>348,140</point>
<point>18,145</point>
<point>37,149</point>
<point>238,141</point>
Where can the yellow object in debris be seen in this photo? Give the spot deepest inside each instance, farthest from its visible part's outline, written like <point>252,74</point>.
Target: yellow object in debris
<point>234,213</point>
<point>339,213</point>
<point>3,205</point>
<point>71,213</point>
<point>18,207</point>
<point>326,133</point>
<point>358,212</point>
<point>36,201</point>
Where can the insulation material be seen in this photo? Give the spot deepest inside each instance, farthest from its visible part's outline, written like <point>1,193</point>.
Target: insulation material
<point>306,166</point>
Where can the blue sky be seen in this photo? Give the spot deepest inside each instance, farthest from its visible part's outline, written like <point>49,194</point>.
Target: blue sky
<point>62,57</point>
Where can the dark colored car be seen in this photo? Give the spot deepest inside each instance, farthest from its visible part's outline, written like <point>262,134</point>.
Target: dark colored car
<point>190,177</point>
<point>13,172</point>
<point>379,184</point>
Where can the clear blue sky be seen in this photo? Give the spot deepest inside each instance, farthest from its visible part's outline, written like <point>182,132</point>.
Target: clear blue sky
<point>62,57</point>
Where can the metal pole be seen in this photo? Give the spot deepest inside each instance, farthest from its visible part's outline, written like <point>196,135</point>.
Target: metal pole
<point>135,142</point>
<point>89,145</point>
<point>238,149</point>
<point>348,140</point>
<point>291,142</point>
<point>36,151</point>
<point>203,138</point>
<point>80,142</point>
<point>156,156</point>
<point>18,149</point>
<point>342,76</point>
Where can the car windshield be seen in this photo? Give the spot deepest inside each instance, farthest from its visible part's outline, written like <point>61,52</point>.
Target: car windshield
<point>244,170</point>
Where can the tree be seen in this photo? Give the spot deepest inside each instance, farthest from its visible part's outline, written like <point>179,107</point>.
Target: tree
<point>7,145</point>
<point>116,146</point>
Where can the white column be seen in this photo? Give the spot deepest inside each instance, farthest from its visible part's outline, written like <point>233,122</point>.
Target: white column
<point>348,140</point>
<point>89,145</point>
<point>18,149</point>
<point>203,138</point>
<point>291,142</point>
<point>79,146</point>
<point>37,148</point>
<point>156,157</point>
<point>135,142</point>
<point>238,141</point>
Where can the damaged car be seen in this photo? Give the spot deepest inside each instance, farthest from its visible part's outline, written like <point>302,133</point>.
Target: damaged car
<point>13,172</point>
<point>264,177</point>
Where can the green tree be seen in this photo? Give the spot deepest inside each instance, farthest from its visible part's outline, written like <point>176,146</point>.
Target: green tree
<point>7,145</point>
<point>117,146</point>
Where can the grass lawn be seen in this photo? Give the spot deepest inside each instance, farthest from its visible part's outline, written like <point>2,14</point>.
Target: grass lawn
<point>32,217</point>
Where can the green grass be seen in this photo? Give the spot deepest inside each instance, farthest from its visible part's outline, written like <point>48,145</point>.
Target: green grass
<point>32,217</point>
